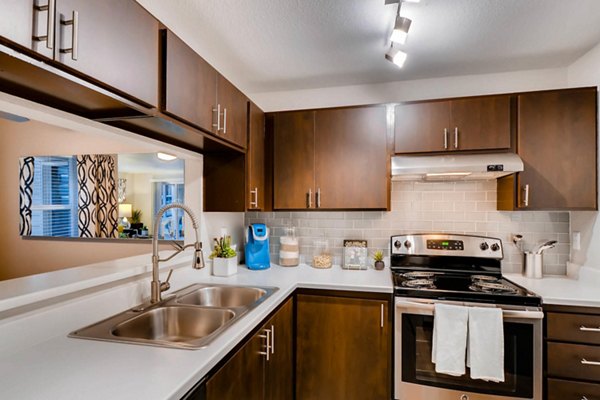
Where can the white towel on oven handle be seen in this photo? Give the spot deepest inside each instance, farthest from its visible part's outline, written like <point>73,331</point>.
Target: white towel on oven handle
<point>485,350</point>
<point>449,339</point>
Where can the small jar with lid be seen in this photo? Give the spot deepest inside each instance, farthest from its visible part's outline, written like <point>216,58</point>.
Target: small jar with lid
<point>322,257</point>
<point>289,248</point>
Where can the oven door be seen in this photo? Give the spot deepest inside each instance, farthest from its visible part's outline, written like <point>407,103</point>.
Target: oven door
<point>415,376</point>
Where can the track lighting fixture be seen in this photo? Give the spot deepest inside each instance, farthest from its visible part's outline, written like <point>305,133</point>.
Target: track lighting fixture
<point>399,34</point>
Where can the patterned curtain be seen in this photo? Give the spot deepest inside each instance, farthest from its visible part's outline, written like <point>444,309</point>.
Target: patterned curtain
<point>97,210</point>
<point>26,165</point>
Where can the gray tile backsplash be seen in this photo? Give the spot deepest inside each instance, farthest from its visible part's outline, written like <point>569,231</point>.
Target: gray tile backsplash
<point>459,207</point>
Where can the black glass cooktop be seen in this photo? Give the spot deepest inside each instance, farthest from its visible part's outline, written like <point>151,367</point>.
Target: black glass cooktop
<point>488,288</point>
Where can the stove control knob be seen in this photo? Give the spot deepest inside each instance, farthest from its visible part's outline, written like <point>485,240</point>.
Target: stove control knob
<point>397,244</point>
<point>407,244</point>
<point>483,246</point>
<point>495,247</point>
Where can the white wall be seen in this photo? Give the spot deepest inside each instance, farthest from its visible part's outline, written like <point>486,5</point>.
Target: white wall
<point>455,86</point>
<point>586,72</point>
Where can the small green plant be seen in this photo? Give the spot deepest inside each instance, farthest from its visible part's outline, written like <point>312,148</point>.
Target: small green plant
<point>378,256</point>
<point>222,248</point>
<point>136,216</point>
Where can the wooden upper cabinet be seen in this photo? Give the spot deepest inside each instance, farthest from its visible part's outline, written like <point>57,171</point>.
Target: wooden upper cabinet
<point>422,127</point>
<point>115,42</point>
<point>480,123</point>
<point>191,85</point>
<point>557,136</point>
<point>22,20</point>
<point>343,348</point>
<point>351,143</point>
<point>255,159</point>
<point>293,164</point>
<point>233,104</point>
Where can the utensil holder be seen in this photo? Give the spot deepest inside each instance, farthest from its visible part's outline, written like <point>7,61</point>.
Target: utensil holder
<point>533,265</point>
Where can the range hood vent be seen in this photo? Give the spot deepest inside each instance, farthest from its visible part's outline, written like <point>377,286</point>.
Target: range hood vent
<point>455,167</point>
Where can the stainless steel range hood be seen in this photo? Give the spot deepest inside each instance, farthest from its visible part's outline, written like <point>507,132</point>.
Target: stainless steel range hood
<point>455,167</point>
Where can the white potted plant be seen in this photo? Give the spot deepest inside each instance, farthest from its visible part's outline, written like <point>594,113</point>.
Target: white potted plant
<point>224,257</point>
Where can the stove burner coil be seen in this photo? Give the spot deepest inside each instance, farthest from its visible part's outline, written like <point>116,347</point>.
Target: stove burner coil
<point>419,284</point>
<point>484,278</point>
<point>492,287</point>
<point>418,275</point>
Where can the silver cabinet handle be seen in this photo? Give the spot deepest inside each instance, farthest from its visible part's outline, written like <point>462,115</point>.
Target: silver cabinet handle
<point>456,137</point>
<point>309,198</point>
<point>49,37</point>
<point>267,336</point>
<point>526,195</point>
<point>318,196</point>
<point>586,362</point>
<point>272,339</point>
<point>218,111</point>
<point>254,198</point>
<point>74,49</point>
<point>583,398</point>
<point>445,139</point>
<point>586,329</point>
<point>382,314</point>
<point>224,120</point>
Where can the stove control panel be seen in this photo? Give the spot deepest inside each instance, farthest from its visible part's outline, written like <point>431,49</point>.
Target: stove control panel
<point>428,244</point>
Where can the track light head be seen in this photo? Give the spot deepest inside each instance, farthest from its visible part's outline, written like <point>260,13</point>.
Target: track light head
<point>396,56</point>
<point>400,31</point>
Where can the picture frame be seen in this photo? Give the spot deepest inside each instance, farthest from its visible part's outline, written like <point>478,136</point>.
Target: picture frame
<point>356,254</point>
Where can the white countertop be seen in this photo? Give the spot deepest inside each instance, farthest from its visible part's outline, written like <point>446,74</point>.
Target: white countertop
<point>59,367</point>
<point>582,290</point>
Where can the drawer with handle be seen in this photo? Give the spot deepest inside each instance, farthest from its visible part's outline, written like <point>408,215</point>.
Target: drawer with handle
<point>562,390</point>
<point>575,361</point>
<point>577,328</point>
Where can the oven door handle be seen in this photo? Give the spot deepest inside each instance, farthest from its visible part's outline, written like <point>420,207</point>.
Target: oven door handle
<point>428,309</point>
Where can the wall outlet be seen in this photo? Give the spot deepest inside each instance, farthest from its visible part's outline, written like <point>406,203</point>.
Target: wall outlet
<point>576,240</point>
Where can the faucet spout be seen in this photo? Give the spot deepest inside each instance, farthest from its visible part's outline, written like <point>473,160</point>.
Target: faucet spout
<point>156,286</point>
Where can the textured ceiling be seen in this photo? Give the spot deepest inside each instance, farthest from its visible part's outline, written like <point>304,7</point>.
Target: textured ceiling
<point>274,45</point>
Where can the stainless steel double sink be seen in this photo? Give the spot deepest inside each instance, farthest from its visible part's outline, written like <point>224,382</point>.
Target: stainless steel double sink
<point>188,319</point>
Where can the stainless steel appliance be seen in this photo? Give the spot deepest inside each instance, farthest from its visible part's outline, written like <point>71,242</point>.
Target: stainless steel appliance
<point>460,269</point>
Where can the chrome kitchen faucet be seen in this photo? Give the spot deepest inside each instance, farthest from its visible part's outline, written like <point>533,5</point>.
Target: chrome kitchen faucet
<point>156,286</point>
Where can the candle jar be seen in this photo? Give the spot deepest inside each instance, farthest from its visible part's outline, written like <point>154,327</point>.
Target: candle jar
<point>289,248</point>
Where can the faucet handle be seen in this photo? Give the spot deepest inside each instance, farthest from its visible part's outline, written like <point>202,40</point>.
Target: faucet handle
<point>166,285</point>
<point>177,246</point>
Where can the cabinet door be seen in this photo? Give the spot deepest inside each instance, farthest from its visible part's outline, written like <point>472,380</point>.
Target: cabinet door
<point>351,142</point>
<point>557,142</point>
<point>255,167</point>
<point>234,115</point>
<point>293,164</point>
<point>114,42</point>
<point>343,348</point>
<point>20,21</point>
<point>191,85</point>
<point>242,377</point>
<point>422,127</point>
<point>279,374</point>
<point>480,123</point>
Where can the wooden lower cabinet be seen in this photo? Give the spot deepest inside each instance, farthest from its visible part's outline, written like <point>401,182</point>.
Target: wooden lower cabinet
<point>249,374</point>
<point>343,348</point>
<point>572,353</point>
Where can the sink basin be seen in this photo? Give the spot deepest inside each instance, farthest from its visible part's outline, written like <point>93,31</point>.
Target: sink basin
<point>223,296</point>
<point>189,319</point>
<point>176,324</point>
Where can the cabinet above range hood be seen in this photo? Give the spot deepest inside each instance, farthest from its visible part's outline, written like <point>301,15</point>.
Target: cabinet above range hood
<point>455,167</point>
